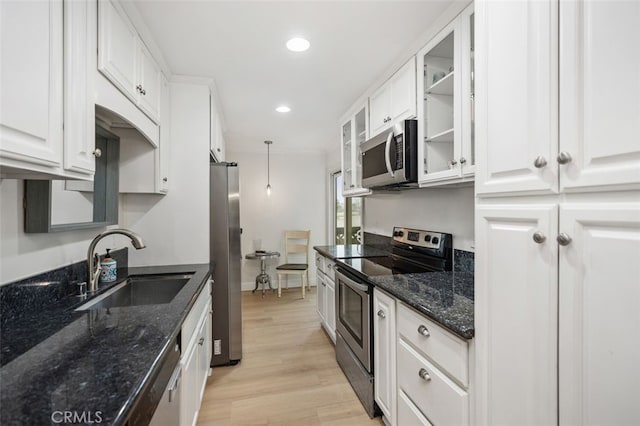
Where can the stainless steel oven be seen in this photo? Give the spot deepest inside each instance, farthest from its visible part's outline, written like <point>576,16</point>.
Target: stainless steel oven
<point>354,306</point>
<point>354,349</point>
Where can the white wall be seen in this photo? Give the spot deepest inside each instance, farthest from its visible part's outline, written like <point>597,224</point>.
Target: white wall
<point>296,202</point>
<point>23,255</point>
<point>175,226</point>
<point>432,209</point>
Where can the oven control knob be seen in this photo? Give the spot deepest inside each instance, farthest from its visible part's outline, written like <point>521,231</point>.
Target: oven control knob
<point>427,238</point>
<point>434,240</point>
<point>400,234</point>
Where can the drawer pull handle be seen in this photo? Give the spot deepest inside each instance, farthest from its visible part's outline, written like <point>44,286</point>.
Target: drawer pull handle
<point>201,341</point>
<point>424,375</point>
<point>423,331</point>
<point>381,314</point>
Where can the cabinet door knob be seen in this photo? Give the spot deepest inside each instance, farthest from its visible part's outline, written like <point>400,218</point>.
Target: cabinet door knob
<point>423,331</point>
<point>564,157</point>
<point>97,153</point>
<point>218,149</point>
<point>540,162</point>
<point>453,163</point>
<point>381,314</point>
<point>563,239</point>
<point>139,88</point>
<point>539,237</point>
<point>144,92</point>
<point>463,160</point>
<point>201,341</point>
<point>164,179</point>
<point>424,374</point>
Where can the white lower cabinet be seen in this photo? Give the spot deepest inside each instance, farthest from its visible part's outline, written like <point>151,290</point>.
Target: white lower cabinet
<point>599,295</point>
<point>421,370</point>
<point>196,357</point>
<point>326,303</point>
<point>441,400</point>
<point>322,298</point>
<point>432,367</point>
<point>384,353</point>
<point>408,413</point>
<point>560,332</point>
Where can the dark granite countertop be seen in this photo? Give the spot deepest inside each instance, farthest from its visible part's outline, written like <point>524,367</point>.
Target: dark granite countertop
<point>445,297</point>
<point>350,251</point>
<point>87,361</point>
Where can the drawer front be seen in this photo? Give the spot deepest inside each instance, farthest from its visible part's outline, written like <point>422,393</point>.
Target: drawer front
<point>320,262</point>
<point>408,414</point>
<point>329,268</point>
<point>446,350</point>
<point>203,303</point>
<point>438,398</point>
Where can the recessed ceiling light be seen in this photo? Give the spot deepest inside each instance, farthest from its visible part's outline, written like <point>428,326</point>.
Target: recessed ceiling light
<point>298,44</point>
<point>283,109</point>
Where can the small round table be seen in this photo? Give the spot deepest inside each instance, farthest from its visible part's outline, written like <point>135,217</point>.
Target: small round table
<point>263,278</point>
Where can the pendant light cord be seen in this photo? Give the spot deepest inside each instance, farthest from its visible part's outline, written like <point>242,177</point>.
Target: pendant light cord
<point>268,167</point>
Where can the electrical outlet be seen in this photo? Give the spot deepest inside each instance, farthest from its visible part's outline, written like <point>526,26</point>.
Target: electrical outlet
<point>217,347</point>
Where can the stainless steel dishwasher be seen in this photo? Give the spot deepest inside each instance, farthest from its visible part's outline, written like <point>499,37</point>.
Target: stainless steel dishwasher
<point>168,411</point>
<point>159,402</point>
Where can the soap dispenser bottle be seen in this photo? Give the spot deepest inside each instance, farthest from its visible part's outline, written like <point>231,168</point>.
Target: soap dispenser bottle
<point>108,269</point>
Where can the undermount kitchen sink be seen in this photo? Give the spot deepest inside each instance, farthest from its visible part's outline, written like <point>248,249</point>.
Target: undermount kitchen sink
<point>140,290</point>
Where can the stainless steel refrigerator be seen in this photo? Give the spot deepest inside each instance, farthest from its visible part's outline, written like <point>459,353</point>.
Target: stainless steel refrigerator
<point>224,226</point>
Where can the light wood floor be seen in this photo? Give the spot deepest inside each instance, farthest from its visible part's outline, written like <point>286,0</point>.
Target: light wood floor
<point>288,374</point>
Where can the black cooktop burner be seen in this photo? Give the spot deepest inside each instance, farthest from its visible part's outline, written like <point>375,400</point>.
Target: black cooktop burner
<point>387,265</point>
<point>413,251</point>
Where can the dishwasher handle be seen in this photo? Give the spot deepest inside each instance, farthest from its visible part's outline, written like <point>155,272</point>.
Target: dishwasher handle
<point>174,382</point>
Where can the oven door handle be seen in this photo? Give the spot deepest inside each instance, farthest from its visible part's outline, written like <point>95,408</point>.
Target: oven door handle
<point>387,159</point>
<point>353,284</point>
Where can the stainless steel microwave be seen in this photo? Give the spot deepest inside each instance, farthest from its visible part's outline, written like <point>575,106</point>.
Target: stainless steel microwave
<point>390,159</point>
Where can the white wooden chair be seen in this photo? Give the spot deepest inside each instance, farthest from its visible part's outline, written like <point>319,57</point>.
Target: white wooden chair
<point>295,242</point>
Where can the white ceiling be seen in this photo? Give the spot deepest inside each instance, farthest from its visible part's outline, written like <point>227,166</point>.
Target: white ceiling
<point>241,45</point>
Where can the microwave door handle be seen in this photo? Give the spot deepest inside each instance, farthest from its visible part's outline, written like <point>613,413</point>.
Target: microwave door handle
<point>387,148</point>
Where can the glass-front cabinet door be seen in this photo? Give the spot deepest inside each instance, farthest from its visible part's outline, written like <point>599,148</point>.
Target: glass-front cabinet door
<point>354,134</point>
<point>446,133</point>
<point>347,157</point>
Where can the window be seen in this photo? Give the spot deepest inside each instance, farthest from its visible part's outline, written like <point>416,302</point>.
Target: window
<point>347,214</point>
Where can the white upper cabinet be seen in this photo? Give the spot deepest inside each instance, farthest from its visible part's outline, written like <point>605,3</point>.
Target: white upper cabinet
<point>47,112</point>
<point>445,85</point>
<point>599,93</point>
<point>125,61</point>
<point>395,100</point>
<point>516,59</point>
<point>31,105</point>
<point>79,70</point>
<point>216,141</point>
<point>118,48</point>
<point>150,80</point>
<point>529,146</point>
<point>354,133</point>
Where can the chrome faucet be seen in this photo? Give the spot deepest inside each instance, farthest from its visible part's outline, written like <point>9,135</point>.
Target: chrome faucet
<point>93,260</point>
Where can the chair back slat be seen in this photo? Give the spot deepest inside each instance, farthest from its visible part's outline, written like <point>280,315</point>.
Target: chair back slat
<point>296,242</point>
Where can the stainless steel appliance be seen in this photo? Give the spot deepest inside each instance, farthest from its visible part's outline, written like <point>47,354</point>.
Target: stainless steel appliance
<point>354,302</point>
<point>391,158</point>
<point>168,411</point>
<point>413,251</point>
<point>224,226</point>
<point>159,401</point>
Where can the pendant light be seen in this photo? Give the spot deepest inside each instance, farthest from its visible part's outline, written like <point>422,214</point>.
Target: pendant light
<point>268,168</point>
